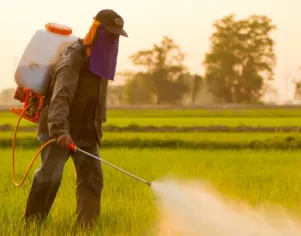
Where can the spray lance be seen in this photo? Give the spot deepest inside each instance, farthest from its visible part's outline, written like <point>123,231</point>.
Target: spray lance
<point>75,148</point>
<point>72,147</point>
<point>32,78</point>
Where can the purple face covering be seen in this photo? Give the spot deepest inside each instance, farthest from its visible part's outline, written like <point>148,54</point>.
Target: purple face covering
<point>104,52</point>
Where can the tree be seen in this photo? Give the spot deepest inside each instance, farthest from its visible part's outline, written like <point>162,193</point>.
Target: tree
<point>137,90</point>
<point>297,95</point>
<point>297,81</point>
<point>163,81</point>
<point>196,86</point>
<point>7,97</point>
<point>241,58</point>
<point>115,95</point>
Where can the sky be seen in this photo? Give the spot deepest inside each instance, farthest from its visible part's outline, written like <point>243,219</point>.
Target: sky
<point>188,22</point>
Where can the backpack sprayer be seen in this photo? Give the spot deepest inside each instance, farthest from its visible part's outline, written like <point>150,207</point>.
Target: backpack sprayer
<point>32,77</point>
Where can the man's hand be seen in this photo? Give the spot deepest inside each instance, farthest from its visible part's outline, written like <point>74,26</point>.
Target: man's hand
<point>64,141</point>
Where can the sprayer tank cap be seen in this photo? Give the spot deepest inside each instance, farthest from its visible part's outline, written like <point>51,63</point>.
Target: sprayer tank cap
<point>58,29</point>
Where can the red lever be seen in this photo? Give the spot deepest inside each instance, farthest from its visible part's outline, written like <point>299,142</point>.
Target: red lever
<point>72,147</point>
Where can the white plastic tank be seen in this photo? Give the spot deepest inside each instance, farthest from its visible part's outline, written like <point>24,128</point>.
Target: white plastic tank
<point>41,54</point>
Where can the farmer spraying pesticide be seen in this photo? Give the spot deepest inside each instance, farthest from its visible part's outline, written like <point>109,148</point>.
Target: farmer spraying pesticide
<point>73,110</point>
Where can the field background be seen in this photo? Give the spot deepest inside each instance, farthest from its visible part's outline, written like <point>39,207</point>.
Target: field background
<point>248,153</point>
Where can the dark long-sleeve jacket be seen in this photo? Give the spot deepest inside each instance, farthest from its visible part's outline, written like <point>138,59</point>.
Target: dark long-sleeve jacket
<point>76,100</point>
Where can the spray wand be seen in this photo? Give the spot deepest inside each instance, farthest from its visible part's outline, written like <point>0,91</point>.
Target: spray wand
<point>72,147</point>
<point>75,148</point>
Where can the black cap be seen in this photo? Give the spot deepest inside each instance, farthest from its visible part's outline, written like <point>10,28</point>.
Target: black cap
<point>112,21</point>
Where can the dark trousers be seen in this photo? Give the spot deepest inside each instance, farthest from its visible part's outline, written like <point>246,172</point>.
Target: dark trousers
<point>47,180</point>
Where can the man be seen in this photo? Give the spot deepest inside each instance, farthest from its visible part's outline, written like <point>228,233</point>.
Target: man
<point>74,110</point>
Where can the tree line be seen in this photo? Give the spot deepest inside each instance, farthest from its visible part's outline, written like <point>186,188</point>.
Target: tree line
<point>240,60</point>
<point>238,65</point>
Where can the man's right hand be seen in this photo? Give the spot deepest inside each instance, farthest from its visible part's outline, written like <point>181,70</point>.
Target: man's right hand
<point>64,141</point>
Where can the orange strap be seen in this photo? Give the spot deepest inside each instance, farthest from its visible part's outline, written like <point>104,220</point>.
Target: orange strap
<point>90,36</point>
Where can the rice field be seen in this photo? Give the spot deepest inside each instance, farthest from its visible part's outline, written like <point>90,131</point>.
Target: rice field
<point>178,140</point>
<point>128,206</point>
<point>189,118</point>
<point>257,168</point>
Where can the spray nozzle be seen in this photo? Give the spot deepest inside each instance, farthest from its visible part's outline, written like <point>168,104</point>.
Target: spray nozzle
<point>72,147</point>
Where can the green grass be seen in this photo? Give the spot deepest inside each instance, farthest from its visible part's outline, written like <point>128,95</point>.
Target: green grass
<point>183,121</point>
<point>191,140</point>
<point>128,206</point>
<point>225,159</point>
<point>189,117</point>
<point>188,136</point>
<point>218,112</point>
<point>203,121</point>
